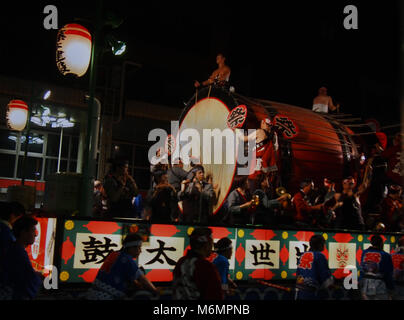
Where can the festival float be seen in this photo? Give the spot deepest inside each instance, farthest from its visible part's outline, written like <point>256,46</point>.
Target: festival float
<point>310,145</point>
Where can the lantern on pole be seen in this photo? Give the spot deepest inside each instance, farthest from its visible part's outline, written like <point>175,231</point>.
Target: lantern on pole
<point>17,115</point>
<point>73,49</point>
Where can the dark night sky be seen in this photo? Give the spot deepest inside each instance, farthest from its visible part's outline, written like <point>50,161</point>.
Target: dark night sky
<point>280,51</point>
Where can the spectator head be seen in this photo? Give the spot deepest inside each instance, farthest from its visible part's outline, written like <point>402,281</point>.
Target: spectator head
<point>317,243</point>
<point>397,139</point>
<point>220,58</point>
<point>201,241</point>
<point>97,185</point>
<point>377,242</point>
<point>395,190</point>
<point>132,245</point>
<point>241,182</point>
<point>322,91</point>
<point>348,183</point>
<point>307,185</point>
<point>200,173</point>
<point>119,165</point>
<point>164,178</point>
<point>262,181</point>
<point>24,230</point>
<point>11,211</point>
<point>328,182</point>
<point>224,247</point>
<point>160,177</point>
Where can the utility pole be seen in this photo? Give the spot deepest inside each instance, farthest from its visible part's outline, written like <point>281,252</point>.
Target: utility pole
<point>89,161</point>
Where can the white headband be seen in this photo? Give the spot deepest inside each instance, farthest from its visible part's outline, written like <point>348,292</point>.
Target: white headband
<point>133,244</point>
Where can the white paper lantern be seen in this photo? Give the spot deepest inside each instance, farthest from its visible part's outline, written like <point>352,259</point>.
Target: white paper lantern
<point>73,49</point>
<point>17,114</point>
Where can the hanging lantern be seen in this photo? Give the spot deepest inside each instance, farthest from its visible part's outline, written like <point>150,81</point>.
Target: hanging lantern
<point>73,49</point>
<point>17,115</point>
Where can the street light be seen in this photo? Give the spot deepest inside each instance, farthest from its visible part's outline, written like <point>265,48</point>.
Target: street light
<point>47,94</point>
<point>118,47</point>
<point>90,49</point>
<point>89,165</point>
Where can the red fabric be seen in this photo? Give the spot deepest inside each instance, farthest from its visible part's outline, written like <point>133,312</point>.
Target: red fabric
<point>392,155</point>
<point>306,261</point>
<point>381,136</point>
<point>372,257</point>
<point>302,207</point>
<point>268,155</point>
<point>5,183</point>
<point>206,278</point>
<point>389,207</point>
<point>398,261</point>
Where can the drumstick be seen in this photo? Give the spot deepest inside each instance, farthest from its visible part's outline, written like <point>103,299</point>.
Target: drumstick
<point>265,283</point>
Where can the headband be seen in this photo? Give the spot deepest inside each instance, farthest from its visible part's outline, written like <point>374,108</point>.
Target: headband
<point>351,180</point>
<point>268,121</point>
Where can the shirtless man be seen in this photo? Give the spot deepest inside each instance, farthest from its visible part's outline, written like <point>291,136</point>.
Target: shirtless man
<point>221,74</point>
<point>323,102</point>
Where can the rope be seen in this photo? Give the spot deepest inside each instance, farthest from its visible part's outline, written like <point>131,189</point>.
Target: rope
<point>210,88</point>
<point>265,283</point>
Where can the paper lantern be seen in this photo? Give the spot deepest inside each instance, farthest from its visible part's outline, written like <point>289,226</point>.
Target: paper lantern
<point>17,114</point>
<point>73,49</point>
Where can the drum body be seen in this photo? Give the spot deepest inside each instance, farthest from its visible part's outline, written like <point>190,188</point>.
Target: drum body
<point>310,145</point>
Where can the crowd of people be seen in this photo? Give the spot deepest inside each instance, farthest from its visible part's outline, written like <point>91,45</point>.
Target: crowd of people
<point>370,200</point>
<point>18,279</point>
<point>195,277</point>
<point>201,274</point>
<point>381,273</point>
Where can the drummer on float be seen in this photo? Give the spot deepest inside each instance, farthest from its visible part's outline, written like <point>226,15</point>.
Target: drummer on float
<point>323,102</point>
<point>266,148</point>
<point>220,76</point>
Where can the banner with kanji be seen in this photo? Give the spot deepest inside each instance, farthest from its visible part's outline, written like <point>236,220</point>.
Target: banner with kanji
<point>257,254</point>
<point>42,250</point>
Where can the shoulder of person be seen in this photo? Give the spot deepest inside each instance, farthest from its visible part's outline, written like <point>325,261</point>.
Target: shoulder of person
<point>222,260</point>
<point>204,263</point>
<point>208,185</point>
<point>386,254</point>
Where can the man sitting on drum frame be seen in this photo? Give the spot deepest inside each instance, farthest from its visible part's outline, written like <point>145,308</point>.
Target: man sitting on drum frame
<point>220,76</point>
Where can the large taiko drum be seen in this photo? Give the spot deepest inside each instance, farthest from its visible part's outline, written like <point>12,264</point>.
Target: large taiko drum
<point>310,145</point>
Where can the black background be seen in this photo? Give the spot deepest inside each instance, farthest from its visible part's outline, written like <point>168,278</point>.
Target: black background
<point>281,51</point>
